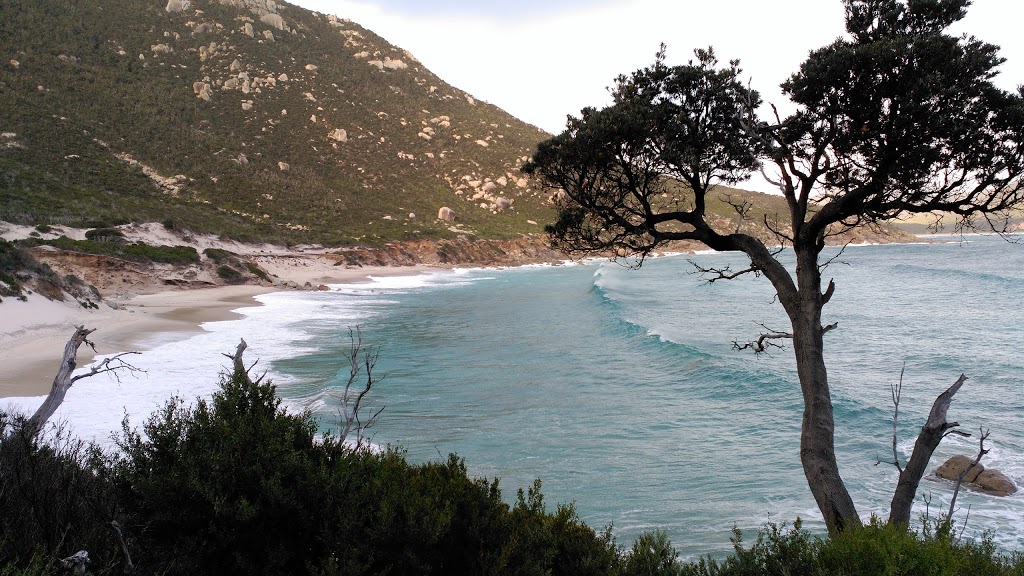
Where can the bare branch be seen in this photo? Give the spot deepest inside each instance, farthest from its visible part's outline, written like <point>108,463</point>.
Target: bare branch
<point>829,292</point>
<point>765,341</point>
<point>361,365</point>
<point>236,358</point>
<point>896,391</point>
<point>129,567</point>
<point>742,208</point>
<point>726,273</point>
<point>959,479</point>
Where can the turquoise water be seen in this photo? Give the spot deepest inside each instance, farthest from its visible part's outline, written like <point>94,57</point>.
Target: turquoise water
<point>621,390</point>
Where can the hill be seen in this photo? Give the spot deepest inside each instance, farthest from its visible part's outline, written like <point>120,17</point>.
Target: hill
<point>248,118</point>
<point>256,121</point>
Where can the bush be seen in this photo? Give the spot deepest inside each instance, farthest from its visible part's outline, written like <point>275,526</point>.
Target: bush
<point>54,498</point>
<point>105,235</point>
<point>258,272</point>
<point>229,274</point>
<point>139,252</point>
<point>238,485</point>
<point>219,255</point>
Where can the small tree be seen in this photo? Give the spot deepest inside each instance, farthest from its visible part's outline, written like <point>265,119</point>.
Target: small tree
<point>897,117</point>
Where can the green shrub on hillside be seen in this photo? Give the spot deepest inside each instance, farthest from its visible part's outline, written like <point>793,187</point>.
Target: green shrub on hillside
<point>15,261</point>
<point>219,255</point>
<point>105,235</point>
<point>229,274</point>
<point>139,252</point>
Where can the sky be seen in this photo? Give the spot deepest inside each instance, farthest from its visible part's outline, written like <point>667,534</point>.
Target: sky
<point>541,60</point>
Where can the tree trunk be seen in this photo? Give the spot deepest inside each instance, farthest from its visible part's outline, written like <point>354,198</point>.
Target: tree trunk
<point>817,442</point>
<point>62,381</point>
<point>928,440</point>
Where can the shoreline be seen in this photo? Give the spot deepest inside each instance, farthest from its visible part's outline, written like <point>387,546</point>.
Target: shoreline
<point>34,332</point>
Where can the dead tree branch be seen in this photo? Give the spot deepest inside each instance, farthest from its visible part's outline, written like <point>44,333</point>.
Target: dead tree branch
<point>129,567</point>
<point>63,381</point>
<point>727,273</point>
<point>960,479</point>
<point>896,390</point>
<point>742,208</point>
<point>361,365</point>
<point>935,429</point>
<point>765,341</point>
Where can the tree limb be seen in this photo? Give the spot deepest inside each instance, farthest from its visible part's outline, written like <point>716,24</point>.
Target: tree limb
<point>960,479</point>
<point>896,391</point>
<point>361,364</point>
<point>932,433</point>
<point>765,341</point>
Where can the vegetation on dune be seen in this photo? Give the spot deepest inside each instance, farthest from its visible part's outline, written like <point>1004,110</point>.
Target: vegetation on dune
<point>139,252</point>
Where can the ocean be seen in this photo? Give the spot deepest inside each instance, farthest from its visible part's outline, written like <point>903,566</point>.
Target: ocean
<point>621,389</point>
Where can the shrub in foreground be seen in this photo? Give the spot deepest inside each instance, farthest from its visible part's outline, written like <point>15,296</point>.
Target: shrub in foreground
<point>237,485</point>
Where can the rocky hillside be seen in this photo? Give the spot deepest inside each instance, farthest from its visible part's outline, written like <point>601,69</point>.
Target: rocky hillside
<point>254,119</point>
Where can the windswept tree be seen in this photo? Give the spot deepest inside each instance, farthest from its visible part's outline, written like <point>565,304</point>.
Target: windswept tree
<point>897,117</point>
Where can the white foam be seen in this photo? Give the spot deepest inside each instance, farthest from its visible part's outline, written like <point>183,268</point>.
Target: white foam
<point>285,326</point>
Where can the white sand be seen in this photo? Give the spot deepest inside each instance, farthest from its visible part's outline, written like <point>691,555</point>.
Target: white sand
<point>33,333</point>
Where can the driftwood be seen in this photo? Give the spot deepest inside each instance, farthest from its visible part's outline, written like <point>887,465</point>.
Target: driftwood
<point>63,381</point>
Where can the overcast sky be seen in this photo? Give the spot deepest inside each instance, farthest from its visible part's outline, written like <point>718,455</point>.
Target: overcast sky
<point>543,59</point>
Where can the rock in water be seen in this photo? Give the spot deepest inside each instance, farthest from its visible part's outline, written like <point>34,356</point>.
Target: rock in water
<point>995,483</point>
<point>952,468</point>
<point>992,482</point>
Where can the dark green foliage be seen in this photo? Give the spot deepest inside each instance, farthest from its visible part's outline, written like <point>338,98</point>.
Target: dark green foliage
<point>218,255</point>
<point>257,272</point>
<point>229,274</point>
<point>105,235</point>
<point>17,263</point>
<point>228,486</point>
<point>54,500</point>
<point>869,550</point>
<point>622,166</point>
<point>44,228</point>
<point>653,555</point>
<point>139,252</point>
<point>237,485</point>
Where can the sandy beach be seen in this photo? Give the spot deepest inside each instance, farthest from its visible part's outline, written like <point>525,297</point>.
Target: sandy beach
<point>33,333</point>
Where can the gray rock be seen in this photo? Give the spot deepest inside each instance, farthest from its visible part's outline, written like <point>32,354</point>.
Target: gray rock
<point>274,20</point>
<point>174,6</point>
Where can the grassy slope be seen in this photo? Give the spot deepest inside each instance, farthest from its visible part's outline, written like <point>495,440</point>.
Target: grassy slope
<point>60,165</point>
